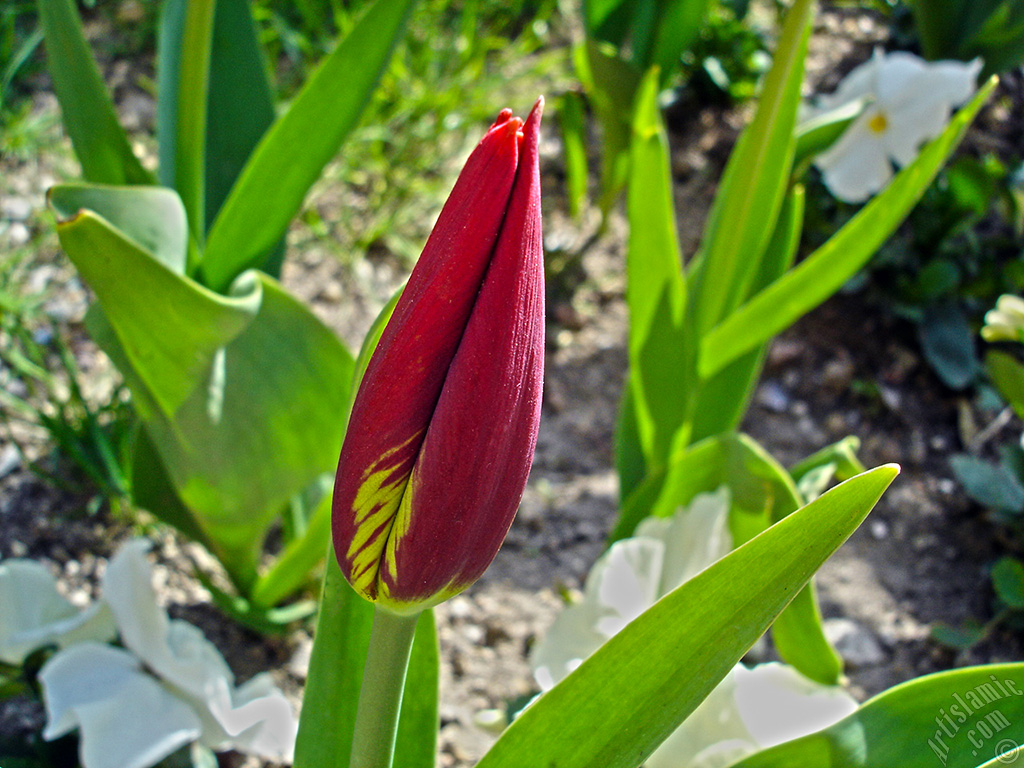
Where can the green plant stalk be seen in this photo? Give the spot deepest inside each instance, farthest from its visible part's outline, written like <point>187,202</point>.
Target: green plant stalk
<point>380,698</point>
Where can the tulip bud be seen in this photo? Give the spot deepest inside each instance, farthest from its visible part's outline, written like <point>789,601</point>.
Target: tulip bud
<point>444,425</point>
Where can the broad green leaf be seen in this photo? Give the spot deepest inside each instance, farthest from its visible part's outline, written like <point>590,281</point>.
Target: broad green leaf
<point>1008,376</point>
<point>823,272</point>
<point>293,152</point>
<point>653,674</point>
<point>153,218</point>
<point>89,118</point>
<point>336,674</point>
<point>655,292</point>
<point>720,403</point>
<point>170,328</point>
<point>266,421</point>
<point>956,719</point>
<point>747,205</point>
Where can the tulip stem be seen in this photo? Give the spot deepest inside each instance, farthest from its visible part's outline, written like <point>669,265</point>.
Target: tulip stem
<point>380,698</point>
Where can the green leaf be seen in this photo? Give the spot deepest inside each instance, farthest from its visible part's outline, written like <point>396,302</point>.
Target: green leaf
<point>611,85</point>
<point>336,674</point>
<point>823,272</point>
<point>1008,376</point>
<point>747,205</point>
<point>948,344</point>
<point>240,105</point>
<point>574,140</point>
<point>800,639</point>
<point>677,29</point>
<point>193,93</point>
<point>205,371</point>
<point>153,218</point>
<point>1008,581</point>
<point>992,485</point>
<point>286,374</point>
<point>293,152</point>
<point>720,403</point>
<point>653,674</point>
<point>169,327</point>
<point>761,492</point>
<point>241,102</point>
<point>89,118</point>
<point>955,719</point>
<point>655,291</point>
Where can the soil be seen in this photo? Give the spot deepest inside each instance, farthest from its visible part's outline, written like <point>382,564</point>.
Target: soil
<point>920,559</point>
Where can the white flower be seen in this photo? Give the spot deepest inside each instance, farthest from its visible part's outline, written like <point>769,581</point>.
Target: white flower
<point>169,686</point>
<point>1006,321</point>
<point>909,101</point>
<point>751,708</point>
<point>33,614</point>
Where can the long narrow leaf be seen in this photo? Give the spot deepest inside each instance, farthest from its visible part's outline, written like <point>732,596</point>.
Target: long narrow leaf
<point>823,272</point>
<point>623,701</point>
<point>743,216</point>
<point>89,118</point>
<point>655,291</point>
<point>193,88</point>
<point>293,152</point>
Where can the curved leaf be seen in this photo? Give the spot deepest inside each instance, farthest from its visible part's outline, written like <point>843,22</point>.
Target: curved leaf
<point>624,700</point>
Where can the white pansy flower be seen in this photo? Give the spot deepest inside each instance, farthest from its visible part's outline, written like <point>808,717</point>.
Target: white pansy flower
<point>169,686</point>
<point>908,102</point>
<point>33,614</point>
<point>750,709</point>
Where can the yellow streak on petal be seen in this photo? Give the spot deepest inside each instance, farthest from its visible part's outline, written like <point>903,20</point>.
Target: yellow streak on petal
<point>400,527</point>
<point>374,505</point>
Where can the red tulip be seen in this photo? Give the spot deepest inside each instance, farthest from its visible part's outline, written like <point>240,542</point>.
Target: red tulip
<point>444,425</point>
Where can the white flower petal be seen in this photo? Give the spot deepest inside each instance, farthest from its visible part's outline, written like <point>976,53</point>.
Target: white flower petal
<point>908,129</point>
<point>857,165</point>
<point>126,719</point>
<point>128,590</point>
<point>257,719</point>
<point>694,538</point>
<point>861,81</point>
<point>33,614</point>
<point>778,704</point>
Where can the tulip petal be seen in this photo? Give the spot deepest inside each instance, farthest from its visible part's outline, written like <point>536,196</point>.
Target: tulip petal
<point>405,376</point>
<point>126,719</point>
<point>476,456</point>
